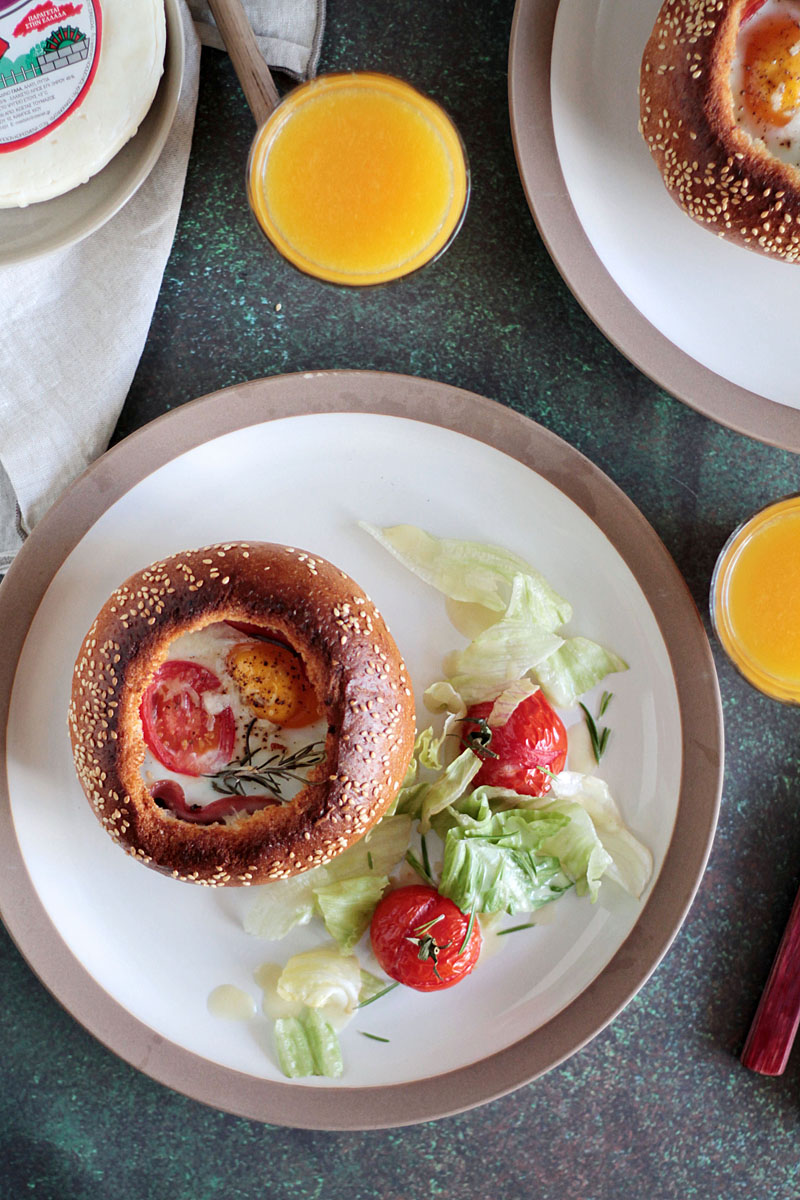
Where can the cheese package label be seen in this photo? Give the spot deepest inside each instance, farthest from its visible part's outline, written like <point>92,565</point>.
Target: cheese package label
<point>49,53</point>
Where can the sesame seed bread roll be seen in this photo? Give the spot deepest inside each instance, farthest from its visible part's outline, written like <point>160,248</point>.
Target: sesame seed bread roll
<point>350,660</point>
<point>720,123</point>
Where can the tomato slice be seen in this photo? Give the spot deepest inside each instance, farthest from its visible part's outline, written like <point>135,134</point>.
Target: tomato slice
<point>533,736</point>
<point>168,793</point>
<point>178,728</point>
<point>417,937</point>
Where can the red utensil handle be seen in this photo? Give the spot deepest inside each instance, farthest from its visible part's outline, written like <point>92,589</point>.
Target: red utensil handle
<point>774,1026</point>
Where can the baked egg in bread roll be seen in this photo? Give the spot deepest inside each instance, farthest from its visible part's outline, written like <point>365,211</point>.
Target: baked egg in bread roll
<point>720,111</point>
<point>240,713</point>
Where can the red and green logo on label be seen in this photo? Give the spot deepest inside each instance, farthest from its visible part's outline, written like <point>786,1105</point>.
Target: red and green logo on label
<point>48,58</point>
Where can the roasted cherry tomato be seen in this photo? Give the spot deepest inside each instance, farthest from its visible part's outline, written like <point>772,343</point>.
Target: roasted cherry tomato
<point>533,736</point>
<point>418,935</point>
<point>273,683</point>
<point>180,730</point>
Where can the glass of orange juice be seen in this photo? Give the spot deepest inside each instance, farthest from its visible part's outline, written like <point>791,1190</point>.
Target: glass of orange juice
<point>358,178</point>
<point>755,599</point>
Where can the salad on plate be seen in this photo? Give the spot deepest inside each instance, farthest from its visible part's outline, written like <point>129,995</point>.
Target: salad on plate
<point>489,825</point>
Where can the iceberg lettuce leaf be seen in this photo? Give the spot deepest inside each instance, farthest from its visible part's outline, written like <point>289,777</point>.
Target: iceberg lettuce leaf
<point>320,977</point>
<point>509,699</point>
<point>574,668</point>
<point>578,848</point>
<point>472,572</point>
<point>377,853</point>
<point>505,651</point>
<point>307,1045</point>
<point>291,1046</point>
<point>450,785</point>
<point>347,907</point>
<point>498,864</point>
<point>442,697</point>
<point>278,907</point>
<point>631,863</point>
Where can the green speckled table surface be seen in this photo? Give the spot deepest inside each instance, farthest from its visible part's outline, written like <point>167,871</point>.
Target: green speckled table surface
<point>659,1103</point>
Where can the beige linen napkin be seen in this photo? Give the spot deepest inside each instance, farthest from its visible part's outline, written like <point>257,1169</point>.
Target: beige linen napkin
<point>54,421</point>
<point>289,32</point>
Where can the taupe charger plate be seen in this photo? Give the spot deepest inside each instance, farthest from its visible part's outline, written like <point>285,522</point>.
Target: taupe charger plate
<point>583,272</point>
<point>28,233</point>
<point>444,412</point>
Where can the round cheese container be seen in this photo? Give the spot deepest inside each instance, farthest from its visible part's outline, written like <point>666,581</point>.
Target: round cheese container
<point>77,77</point>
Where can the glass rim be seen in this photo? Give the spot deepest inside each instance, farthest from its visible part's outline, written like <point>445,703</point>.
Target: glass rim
<point>352,283</point>
<point>764,681</point>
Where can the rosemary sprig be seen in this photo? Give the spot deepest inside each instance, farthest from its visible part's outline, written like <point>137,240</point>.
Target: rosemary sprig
<point>468,934</point>
<point>516,928</point>
<point>414,862</point>
<point>426,862</point>
<point>269,772</point>
<point>372,1036</point>
<point>389,988</point>
<point>427,926</point>
<point>598,737</point>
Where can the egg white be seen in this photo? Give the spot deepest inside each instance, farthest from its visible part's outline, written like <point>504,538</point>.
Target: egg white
<point>209,648</point>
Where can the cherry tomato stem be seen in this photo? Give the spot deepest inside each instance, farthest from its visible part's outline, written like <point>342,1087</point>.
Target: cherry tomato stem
<point>423,940</point>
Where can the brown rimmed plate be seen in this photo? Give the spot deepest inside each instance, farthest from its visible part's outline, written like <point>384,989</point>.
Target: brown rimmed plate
<point>132,955</point>
<point>715,312</point>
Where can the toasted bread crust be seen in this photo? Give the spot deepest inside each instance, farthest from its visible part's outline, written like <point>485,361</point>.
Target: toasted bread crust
<point>351,660</point>
<point>712,168</point>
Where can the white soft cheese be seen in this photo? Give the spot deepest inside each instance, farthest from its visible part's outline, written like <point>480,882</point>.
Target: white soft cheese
<point>131,62</point>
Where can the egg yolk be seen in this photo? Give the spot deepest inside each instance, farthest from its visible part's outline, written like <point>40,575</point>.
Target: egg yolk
<point>771,63</point>
<point>273,684</point>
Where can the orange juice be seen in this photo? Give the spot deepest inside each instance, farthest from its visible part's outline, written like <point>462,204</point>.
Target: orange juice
<point>755,599</point>
<point>358,178</point>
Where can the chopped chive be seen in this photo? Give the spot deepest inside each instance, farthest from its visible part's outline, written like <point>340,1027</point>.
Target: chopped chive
<point>373,1036</point>
<point>516,928</point>
<point>414,862</point>
<point>426,862</point>
<point>468,934</point>
<point>369,860</point>
<point>389,988</point>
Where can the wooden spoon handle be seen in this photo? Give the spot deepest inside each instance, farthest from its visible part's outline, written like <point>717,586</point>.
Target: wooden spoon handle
<point>778,1014</point>
<point>240,42</point>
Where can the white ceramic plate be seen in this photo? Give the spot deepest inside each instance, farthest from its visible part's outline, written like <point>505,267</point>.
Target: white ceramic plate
<point>711,322</point>
<point>730,309</point>
<point>158,947</point>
